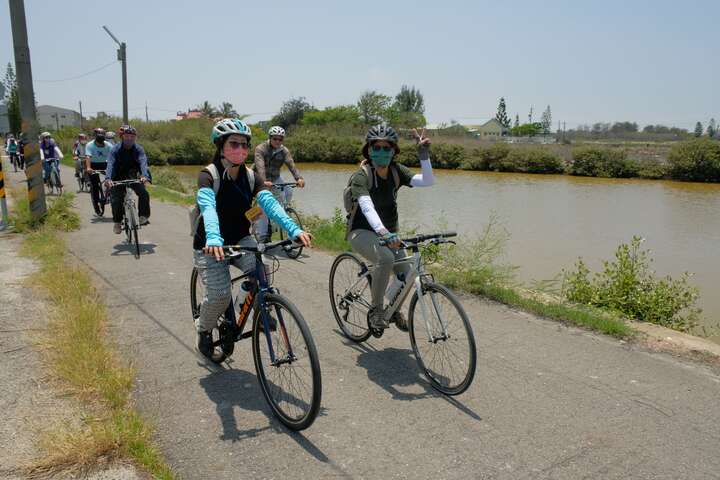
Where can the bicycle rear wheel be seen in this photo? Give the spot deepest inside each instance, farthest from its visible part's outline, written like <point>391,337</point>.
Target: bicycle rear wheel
<point>448,361</point>
<point>292,383</point>
<point>289,250</point>
<point>351,300</point>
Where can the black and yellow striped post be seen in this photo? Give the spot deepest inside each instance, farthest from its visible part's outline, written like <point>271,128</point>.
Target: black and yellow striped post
<point>3,200</point>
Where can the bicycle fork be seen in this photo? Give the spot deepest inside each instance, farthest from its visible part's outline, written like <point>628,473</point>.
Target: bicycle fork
<point>426,314</point>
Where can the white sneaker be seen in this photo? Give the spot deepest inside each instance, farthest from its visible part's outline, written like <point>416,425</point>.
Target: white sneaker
<point>143,220</point>
<point>117,228</point>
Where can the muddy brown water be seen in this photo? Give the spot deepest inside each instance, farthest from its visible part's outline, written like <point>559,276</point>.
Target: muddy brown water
<point>554,219</point>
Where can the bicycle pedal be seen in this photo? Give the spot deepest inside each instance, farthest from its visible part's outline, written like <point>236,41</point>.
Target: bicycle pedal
<point>377,332</point>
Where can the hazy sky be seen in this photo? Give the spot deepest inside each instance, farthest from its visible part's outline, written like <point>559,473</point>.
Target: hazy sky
<point>653,61</point>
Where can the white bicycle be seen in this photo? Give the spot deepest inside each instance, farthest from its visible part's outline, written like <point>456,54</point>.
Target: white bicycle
<point>440,332</point>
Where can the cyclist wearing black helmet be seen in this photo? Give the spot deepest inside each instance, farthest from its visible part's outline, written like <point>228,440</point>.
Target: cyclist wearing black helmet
<point>128,161</point>
<point>374,218</point>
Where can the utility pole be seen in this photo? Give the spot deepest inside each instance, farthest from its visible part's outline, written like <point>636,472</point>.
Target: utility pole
<point>147,120</point>
<point>81,119</point>
<point>30,127</point>
<point>57,121</point>
<point>122,56</point>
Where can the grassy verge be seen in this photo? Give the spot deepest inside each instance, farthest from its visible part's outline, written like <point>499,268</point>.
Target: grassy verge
<point>79,353</point>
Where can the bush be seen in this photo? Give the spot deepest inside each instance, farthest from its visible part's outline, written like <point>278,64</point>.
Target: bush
<point>697,160</point>
<point>169,178</point>
<point>602,162</point>
<point>628,285</point>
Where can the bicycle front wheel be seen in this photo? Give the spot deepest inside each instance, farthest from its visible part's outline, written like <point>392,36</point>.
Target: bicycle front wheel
<point>289,250</point>
<point>442,339</point>
<point>55,181</point>
<point>350,296</point>
<point>197,292</point>
<point>291,382</point>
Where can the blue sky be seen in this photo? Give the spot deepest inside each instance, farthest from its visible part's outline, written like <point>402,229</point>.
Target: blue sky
<point>645,61</point>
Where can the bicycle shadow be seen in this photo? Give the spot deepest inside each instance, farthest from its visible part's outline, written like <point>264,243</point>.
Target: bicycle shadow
<point>229,388</point>
<point>123,248</point>
<point>394,368</point>
<point>96,219</point>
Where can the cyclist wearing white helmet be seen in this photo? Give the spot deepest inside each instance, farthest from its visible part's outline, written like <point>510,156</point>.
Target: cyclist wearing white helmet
<point>374,215</point>
<point>226,189</point>
<point>110,137</point>
<point>270,156</point>
<point>49,153</point>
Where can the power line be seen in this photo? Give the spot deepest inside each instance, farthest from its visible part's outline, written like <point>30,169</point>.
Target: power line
<point>79,76</point>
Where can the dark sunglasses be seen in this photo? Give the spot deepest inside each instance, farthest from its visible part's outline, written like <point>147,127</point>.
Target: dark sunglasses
<point>235,145</point>
<point>377,148</point>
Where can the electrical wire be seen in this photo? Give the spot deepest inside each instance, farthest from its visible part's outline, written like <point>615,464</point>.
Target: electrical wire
<point>79,76</point>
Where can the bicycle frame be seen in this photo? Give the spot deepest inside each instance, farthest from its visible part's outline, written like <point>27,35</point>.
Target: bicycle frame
<point>414,281</point>
<point>256,297</point>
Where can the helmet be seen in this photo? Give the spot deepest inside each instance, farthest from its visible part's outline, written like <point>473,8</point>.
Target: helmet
<point>121,129</point>
<point>380,132</point>
<point>45,135</point>
<point>82,135</point>
<point>129,129</point>
<point>276,131</point>
<point>99,132</point>
<point>110,134</point>
<point>229,126</point>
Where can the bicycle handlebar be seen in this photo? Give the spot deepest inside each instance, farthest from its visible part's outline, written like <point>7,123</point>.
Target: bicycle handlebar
<point>436,237</point>
<point>262,247</point>
<point>124,182</point>
<point>286,184</point>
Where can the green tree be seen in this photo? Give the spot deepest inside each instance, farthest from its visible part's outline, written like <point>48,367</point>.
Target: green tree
<point>226,110</point>
<point>12,100</point>
<point>711,128</point>
<point>527,129</point>
<point>546,120</point>
<point>501,115</point>
<point>517,121</point>
<point>339,115</point>
<point>410,100</point>
<point>698,129</point>
<point>373,107</point>
<point>207,109</point>
<point>292,112</point>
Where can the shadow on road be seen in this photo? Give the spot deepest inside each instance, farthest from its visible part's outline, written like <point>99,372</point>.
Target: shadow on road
<point>392,368</point>
<point>232,388</point>
<point>127,249</point>
<point>96,219</point>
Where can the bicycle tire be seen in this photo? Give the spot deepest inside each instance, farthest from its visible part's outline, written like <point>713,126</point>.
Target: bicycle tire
<point>355,267</point>
<point>291,252</point>
<point>55,181</point>
<point>290,329</point>
<point>435,378</point>
<point>137,242</point>
<point>195,292</point>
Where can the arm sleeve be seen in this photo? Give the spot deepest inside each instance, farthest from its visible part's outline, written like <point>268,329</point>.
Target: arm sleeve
<point>290,162</point>
<point>110,164</point>
<point>42,154</point>
<point>260,162</point>
<point>368,209</point>
<point>206,202</point>
<point>426,178</point>
<point>143,161</point>
<point>275,212</point>
<point>58,152</point>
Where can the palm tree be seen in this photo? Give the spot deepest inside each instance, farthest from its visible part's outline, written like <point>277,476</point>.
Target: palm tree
<point>207,109</point>
<point>226,110</point>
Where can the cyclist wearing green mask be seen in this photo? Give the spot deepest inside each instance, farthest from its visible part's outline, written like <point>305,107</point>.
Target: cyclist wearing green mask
<point>374,187</point>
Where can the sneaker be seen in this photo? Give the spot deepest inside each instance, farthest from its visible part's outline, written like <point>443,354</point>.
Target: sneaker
<point>117,228</point>
<point>377,319</point>
<point>143,220</point>
<point>399,320</point>
<point>205,343</point>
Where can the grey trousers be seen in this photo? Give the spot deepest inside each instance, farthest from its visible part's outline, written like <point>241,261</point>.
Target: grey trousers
<point>215,277</point>
<point>367,244</point>
<point>262,224</point>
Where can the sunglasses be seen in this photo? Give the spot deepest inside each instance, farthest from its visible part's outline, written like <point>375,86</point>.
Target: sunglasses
<point>377,148</point>
<point>235,145</point>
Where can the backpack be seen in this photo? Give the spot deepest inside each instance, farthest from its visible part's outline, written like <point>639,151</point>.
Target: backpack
<point>350,204</point>
<point>194,212</point>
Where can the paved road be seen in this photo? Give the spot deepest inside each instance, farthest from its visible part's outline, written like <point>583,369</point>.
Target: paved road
<point>547,401</point>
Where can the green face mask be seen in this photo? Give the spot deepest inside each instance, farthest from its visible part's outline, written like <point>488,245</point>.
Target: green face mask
<point>381,158</point>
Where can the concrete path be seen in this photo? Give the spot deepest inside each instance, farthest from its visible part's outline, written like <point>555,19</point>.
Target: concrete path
<point>547,401</point>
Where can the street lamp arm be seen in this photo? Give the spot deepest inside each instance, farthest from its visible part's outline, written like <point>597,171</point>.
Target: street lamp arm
<point>111,35</point>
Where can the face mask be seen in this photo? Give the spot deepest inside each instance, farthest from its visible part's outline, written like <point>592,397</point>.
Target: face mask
<point>128,143</point>
<point>381,158</point>
<point>99,138</point>
<point>236,156</point>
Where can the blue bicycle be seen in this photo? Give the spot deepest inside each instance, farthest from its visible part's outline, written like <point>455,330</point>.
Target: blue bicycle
<point>286,360</point>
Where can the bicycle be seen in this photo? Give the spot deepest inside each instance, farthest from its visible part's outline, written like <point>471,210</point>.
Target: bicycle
<point>15,161</point>
<point>434,340</point>
<point>292,213</point>
<point>130,222</point>
<point>53,181</point>
<point>81,176</point>
<point>98,195</point>
<point>288,353</point>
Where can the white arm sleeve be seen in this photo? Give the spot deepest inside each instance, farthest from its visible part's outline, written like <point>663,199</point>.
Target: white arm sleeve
<point>368,209</point>
<point>424,179</point>
<point>58,153</point>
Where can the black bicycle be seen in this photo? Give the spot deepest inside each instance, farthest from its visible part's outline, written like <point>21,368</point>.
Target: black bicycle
<point>98,195</point>
<point>280,188</point>
<point>286,360</point>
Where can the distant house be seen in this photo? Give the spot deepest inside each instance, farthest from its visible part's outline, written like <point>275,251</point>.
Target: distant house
<point>55,118</point>
<point>490,129</point>
<point>193,113</point>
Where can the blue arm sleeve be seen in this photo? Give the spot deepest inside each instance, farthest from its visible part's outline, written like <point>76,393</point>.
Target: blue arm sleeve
<point>206,202</point>
<point>275,212</point>
<point>142,158</point>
